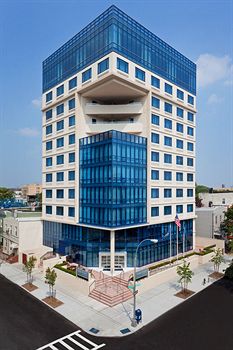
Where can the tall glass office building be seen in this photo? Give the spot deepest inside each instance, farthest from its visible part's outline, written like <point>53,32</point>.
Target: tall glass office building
<point>118,145</point>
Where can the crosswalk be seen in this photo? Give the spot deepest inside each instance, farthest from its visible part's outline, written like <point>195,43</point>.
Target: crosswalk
<point>73,341</point>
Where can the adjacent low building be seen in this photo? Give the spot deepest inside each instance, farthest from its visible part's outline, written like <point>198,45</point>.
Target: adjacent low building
<point>208,221</point>
<point>224,198</point>
<point>30,192</point>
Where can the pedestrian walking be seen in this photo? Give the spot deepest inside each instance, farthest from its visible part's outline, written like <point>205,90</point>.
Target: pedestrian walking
<point>204,281</point>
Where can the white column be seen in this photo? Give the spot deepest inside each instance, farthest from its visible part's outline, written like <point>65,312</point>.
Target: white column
<point>112,251</point>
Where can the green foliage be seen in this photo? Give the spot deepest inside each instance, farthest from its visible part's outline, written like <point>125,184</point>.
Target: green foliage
<point>185,274</point>
<point>64,269</point>
<point>227,225</point>
<point>5,193</point>
<point>29,265</point>
<point>230,246</point>
<point>50,279</point>
<point>201,189</point>
<point>217,259</point>
<point>229,271</point>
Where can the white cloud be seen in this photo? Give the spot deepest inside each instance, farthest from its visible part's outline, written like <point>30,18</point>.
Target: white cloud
<point>28,132</point>
<point>211,69</point>
<point>36,102</point>
<point>214,99</point>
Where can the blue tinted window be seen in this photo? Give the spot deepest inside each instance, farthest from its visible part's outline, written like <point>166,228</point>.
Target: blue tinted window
<point>179,192</point>
<point>60,142</point>
<point>140,74</point>
<point>167,141</point>
<point>86,75</point>
<point>167,158</point>
<point>179,176</point>
<point>154,174</point>
<point>155,119</point>
<point>167,210</point>
<point>71,211</point>
<point>48,209</point>
<point>60,159</point>
<point>60,193</point>
<point>168,107</point>
<point>190,208</point>
<point>167,175</point>
<point>72,120</point>
<point>190,116</point>
<point>190,131</point>
<point>49,96</point>
<point>154,211</point>
<point>103,65</point>
<point>190,161</point>
<point>60,125</point>
<point>155,102</point>
<point>179,112</point>
<point>179,127</point>
<point>180,94</point>
<point>189,192</point>
<point>190,100</point>
<point>71,193</point>
<point>71,175</point>
<point>167,123</point>
<point>155,156</point>
<point>71,139</point>
<point>60,90</point>
<point>154,137</point>
<point>154,193</point>
<point>179,144</point>
<point>49,161</point>
<point>168,88</point>
<point>49,193</point>
<point>190,146</point>
<point>49,114</point>
<point>72,83</point>
<point>60,109</point>
<point>71,157</point>
<point>122,65</point>
<point>167,193</point>
<point>190,177</point>
<point>49,145</point>
<point>179,160</point>
<point>59,211</point>
<point>60,176</point>
<point>179,209</point>
<point>71,104</point>
<point>49,177</point>
<point>49,129</point>
<point>155,82</point>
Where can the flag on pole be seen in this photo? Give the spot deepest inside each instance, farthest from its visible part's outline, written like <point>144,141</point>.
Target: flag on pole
<point>177,222</point>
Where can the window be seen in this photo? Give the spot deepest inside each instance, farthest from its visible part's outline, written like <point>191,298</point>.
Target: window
<point>71,139</point>
<point>154,211</point>
<point>60,90</point>
<point>60,125</point>
<point>71,104</point>
<point>167,158</point>
<point>223,201</point>
<point>190,208</point>
<point>49,145</point>
<point>189,192</point>
<point>71,157</point>
<point>167,210</point>
<point>154,193</point>
<point>179,176</point>
<point>140,74</point>
<point>72,120</point>
<point>48,193</point>
<point>190,100</point>
<point>179,127</point>
<point>71,212</point>
<point>60,193</point>
<point>122,65</point>
<point>190,116</point>
<point>167,193</point>
<point>168,88</point>
<point>167,175</point>
<point>179,192</point>
<point>86,75</point>
<point>190,131</point>
<point>190,161</point>
<point>179,209</point>
<point>49,161</point>
<point>49,96</point>
<point>48,209</point>
<point>190,177</point>
<point>154,137</point>
<point>72,83</point>
<point>71,193</point>
<point>103,65</point>
<point>71,175</point>
<point>167,123</point>
<point>179,160</point>
<point>60,109</point>
<point>49,129</point>
<point>179,112</point>
<point>60,142</point>
<point>59,210</point>
<point>190,146</point>
<point>60,176</point>
<point>179,144</point>
<point>167,141</point>
<point>60,159</point>
<point>49,177</point>
<point>168,107</point>
<point>49,114</point>
<point>155,156</point>
<point>180,94</point>
<point>155,119</point>
<point>154,174</point>
<point>155,102</point>
<point>155,82</point>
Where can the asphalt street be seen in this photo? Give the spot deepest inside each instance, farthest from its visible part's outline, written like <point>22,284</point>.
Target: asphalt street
<point>203,322</point>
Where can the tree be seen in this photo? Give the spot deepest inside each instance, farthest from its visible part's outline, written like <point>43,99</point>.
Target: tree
<point>185,274</point>
<point>229,271</point>
<point>29,265</point>
<point>227,224</point>
<point>217,259</point>
<point>230,246</point>
<point>200,189</point>
<point>6,193</point>
<point>50,279</point>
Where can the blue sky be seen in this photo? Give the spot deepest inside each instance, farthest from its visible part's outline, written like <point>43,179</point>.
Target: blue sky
<point>31,30</point>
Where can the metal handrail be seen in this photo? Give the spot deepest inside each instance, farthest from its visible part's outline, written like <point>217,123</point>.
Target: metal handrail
<point>91,286</point>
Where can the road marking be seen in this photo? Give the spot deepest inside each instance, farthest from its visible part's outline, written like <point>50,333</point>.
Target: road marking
<point>52,346</point>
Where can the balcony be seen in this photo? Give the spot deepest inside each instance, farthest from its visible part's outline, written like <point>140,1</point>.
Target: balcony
<point>128,127</point>
<point>95,109</point>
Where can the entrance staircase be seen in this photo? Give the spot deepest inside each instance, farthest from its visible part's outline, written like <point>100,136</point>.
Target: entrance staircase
<point>108,290</point>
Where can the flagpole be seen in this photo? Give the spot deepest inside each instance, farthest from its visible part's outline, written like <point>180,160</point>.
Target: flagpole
<point>170,243</point>
<point>177,243</point>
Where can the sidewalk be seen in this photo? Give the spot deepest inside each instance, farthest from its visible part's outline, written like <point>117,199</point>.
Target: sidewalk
<point>88,313</point>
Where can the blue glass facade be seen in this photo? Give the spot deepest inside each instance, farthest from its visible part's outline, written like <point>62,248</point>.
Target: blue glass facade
<point>85,243</point>
<point>113,179</point>
<point>115,31</point>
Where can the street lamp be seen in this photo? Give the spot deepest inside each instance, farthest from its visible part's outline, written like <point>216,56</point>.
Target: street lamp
<point>134,322</point>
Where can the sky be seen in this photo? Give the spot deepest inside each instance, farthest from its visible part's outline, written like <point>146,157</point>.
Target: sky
<point>31,30</point>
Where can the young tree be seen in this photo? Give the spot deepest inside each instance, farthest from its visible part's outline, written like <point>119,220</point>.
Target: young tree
<point>227,225</point>
<point>29,265</point>
<point>217,259</point>
<point>185,274</point>
<point>50,279</point>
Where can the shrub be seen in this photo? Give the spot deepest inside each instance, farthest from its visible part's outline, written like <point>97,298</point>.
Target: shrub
<point>229,271</point>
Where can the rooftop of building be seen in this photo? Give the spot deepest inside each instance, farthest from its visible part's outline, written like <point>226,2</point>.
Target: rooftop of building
<point>23,214</point>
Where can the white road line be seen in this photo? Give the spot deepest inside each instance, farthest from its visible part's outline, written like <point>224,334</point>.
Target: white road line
<point>77,343</point>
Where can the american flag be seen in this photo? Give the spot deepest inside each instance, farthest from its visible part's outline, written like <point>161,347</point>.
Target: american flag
<point>177,222</point>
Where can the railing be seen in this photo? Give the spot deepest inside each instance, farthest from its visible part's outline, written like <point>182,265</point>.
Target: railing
<point>91,287</point>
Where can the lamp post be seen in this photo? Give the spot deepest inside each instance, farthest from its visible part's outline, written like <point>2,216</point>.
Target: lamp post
<point>134,322</point>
